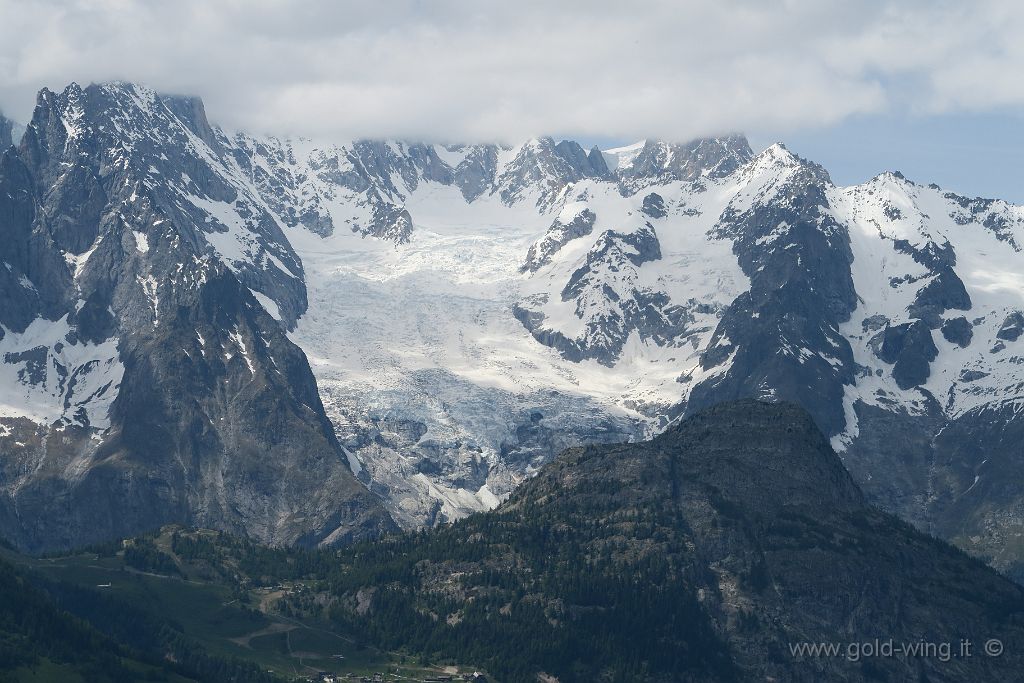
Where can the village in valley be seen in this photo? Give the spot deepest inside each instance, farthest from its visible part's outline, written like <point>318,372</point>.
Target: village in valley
<point>380,677</point>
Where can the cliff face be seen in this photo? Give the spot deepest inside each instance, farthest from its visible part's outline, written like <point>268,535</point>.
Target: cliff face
<point>146,383</point>
<point>6,132</point>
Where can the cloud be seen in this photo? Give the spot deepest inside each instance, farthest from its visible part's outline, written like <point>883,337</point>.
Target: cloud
<point>480,70</point>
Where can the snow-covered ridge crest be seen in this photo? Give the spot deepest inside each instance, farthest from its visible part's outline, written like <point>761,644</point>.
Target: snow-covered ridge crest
<point>310,182</point>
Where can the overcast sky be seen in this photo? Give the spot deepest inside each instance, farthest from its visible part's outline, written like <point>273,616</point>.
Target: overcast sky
<point>933,88</point>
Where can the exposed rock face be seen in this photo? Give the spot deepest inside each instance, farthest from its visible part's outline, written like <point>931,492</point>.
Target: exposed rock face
<point>748,537</point>
<point>1012,327</point>
<point>559,234</point>
<point>6,132</point>
<point>978,504</point>
<point>654,206</point>
<point>606,293</point>
<point>659,162</point>
<point>475,174</point>
<point>958,331</point>
<point>548,166</point>
<point>797,257</point>
<point>910,349</point>
<point>944,292</point>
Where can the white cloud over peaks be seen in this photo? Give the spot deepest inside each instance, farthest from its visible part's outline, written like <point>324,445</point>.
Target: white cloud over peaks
<point>482,70</point>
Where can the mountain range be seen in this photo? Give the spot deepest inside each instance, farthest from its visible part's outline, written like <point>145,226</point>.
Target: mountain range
<point>313,342</point>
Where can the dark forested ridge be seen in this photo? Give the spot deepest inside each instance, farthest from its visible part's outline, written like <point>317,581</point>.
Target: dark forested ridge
<point>701,555</point>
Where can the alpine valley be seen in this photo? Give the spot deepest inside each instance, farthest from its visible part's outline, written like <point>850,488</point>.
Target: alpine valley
<point>310,342</point>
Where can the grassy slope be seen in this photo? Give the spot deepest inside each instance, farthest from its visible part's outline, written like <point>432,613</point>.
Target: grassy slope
<point>40,642</point>
<point>213,609</point>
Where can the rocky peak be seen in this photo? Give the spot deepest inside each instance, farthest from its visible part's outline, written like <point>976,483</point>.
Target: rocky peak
<point>119,148</point>
<point>192,112</point>
<point>475,173</point>
<point>781,340</point>
<point>6,132</point>
<point>137,329</point>
<point>658,162</point>
<point>379,161</point>
<point>585,164</point>
<point>543,168</point>
<point>778,166</point>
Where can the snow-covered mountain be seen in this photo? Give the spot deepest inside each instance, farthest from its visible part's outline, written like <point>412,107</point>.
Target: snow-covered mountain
<point>141,380</point>
<point>468,311</point>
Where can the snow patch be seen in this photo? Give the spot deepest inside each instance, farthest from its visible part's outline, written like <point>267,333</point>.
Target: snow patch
<point>236,337</point>
<point>46,379</point>
<point>268,304</point>
<point>141,241</point>
<point>353,462</point>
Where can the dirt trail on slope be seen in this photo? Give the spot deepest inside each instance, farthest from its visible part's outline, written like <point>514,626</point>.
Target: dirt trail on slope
<point>276,627</point>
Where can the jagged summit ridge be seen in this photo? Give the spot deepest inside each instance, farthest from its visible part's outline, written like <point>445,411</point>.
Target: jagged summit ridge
<point>377,177</point>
